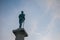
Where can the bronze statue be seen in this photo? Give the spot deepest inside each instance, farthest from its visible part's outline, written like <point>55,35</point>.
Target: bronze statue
<point>21,18</point>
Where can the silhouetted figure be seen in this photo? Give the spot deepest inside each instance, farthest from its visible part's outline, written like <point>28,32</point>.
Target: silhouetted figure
<point>21,18</point>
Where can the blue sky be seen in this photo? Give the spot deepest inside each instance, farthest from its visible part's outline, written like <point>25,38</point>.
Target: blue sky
<point>42,19</point>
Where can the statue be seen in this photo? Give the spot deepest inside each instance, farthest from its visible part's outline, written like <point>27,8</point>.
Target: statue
<point>21,19</point>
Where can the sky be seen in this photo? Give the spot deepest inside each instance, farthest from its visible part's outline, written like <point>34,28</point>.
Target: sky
<point>42,19</point>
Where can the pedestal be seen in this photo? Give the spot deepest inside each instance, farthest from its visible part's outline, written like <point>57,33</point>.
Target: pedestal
<point>20,34</point>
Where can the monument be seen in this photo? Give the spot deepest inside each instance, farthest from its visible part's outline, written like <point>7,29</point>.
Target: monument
<point>20,33</point>
<point>21,19</point>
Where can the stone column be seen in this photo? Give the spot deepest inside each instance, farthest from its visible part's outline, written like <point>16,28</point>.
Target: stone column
<point>20,34</point>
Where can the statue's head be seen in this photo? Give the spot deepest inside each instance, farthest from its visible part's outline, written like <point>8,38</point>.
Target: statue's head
<point>22,12</point>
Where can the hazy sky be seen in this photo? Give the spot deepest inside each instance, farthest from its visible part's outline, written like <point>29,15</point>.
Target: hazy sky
<point>42,19</point>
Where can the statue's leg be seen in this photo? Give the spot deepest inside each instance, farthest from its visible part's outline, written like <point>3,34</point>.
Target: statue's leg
<point>20,25</point>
